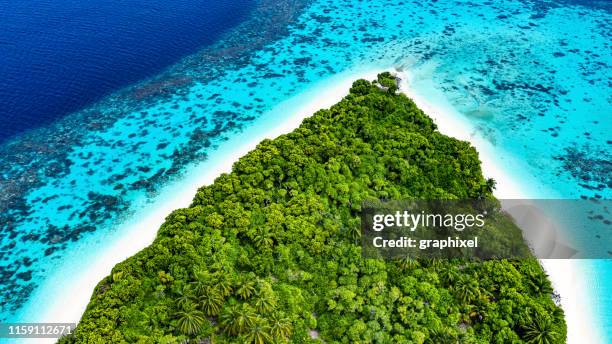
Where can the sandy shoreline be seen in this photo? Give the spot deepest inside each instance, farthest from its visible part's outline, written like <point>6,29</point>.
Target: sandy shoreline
<point>565,274</point>
<point>70,299</point>
<point>87,270</point>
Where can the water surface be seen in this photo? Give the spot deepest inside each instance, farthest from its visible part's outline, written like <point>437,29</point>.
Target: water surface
<point>533,76</point>
<point>59,56</point>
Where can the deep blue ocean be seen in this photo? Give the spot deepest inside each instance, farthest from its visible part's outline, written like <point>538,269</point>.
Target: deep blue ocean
<point>103,104</point>
<point>57,56</point>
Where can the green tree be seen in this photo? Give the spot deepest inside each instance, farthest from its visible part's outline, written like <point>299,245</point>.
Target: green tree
<point>263,238</point>
<point>466,289</point>
<point>541,331</point>
<point>259,333</point>
<point>408,263</point>
<point>185,298</point>
<point>224,286</point>
<point>245,288</point>
<point>264,301</point>
<point>280,326</point>
<point>211,301</point>
<point>237,319</point>
<point>190,321</point>
<point>266,250</point>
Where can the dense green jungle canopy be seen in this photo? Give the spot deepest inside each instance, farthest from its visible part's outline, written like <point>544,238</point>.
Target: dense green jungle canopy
<point>270,253</point>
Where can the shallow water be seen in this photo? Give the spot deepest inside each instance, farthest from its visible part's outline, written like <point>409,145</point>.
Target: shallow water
<point>533,76</point>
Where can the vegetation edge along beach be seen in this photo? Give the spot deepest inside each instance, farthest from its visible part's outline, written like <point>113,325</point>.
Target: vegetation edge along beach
<point>270,251</point>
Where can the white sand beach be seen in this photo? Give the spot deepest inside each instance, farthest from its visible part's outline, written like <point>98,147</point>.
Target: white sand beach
<point>70,298</point>
<point>73,285</point>
<point>566,276</point>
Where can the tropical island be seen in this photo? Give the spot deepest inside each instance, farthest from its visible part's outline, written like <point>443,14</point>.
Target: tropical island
<point>270,253</point>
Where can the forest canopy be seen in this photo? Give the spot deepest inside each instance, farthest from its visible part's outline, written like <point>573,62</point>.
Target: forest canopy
<point>270,253</point>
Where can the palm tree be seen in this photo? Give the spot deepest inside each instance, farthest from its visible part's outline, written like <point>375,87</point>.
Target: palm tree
<point>466,289</point>
<point>490,185</point>
<point>354,232</point>
<point>203,280</point>
<point>264,302</point>
<point>280,327</point>
<point>237,319</point>
<point>408,263</point>
<point>540,284</point>
<point>211,301</point>
<point>259,333</point>
<point>487,188</point>
<point>541,331</point>
<point>449,275</point>
<point>224,286</point>
<point>245,288</point>
<point>185,297</point>
<point>263,238</point>
<point>190,320</point>
<point>436,264</point>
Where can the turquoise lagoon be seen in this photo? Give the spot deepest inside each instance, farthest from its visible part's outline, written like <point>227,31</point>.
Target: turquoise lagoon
<point>534,77</point>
